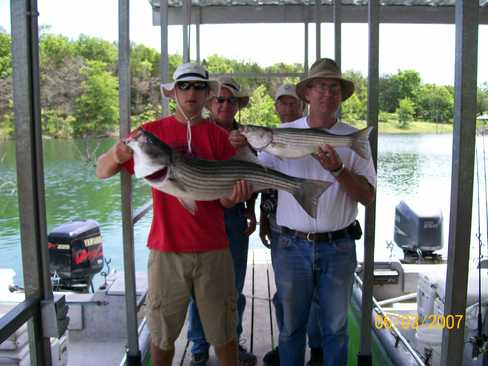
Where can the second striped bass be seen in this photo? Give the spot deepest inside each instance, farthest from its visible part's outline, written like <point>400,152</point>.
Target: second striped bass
<point>193,179</point>
<point>293,143</point>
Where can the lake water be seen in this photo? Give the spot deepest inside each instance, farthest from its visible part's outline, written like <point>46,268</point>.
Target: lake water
<point>410,167</point>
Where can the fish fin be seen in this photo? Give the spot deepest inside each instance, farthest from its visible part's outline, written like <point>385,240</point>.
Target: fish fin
<point>276,146</point>
<point>189,204</point>
<point>245,153</point>
<point>309,193</point>
<point>360,143</point>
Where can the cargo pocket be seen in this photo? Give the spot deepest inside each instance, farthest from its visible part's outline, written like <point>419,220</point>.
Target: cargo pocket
<point>231,325</point>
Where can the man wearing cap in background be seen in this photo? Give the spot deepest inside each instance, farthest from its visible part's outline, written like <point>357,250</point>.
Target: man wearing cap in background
<point>189,254</point>
<point>240,222</point>
<point>289,108</point>
<point>317,256</point>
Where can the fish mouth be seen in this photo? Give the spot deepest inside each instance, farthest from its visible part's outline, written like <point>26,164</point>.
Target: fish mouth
<point>157,175</point>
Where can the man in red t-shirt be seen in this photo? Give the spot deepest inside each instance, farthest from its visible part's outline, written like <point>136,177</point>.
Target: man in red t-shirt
<point>189,253</point>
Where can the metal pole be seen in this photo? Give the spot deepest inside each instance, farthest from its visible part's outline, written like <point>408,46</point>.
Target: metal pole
<point>317,29</point>
<point>30,171</point>
<point>186,28</point>
<point>305,62</point>
<point>337,36</point>
<point>164,61</point>
<point>364,355</point>
<point>463,149</point>
<point>197,32</point>
<point>338,31</point>
<point>133,352</point>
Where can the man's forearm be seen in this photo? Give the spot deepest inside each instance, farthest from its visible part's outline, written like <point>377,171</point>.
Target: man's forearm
<point>357,187</point>
<point>107,166</point>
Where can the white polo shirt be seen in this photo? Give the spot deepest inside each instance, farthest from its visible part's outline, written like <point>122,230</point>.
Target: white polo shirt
<point>336,210</point>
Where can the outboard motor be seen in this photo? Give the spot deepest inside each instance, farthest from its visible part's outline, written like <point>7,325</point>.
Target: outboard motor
<point>75,255</point>
<point>418,232</point>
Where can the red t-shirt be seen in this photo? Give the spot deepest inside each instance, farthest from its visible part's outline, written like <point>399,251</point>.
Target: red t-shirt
<point>173,228</point>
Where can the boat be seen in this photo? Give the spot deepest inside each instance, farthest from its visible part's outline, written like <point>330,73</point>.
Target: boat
<point>91,323</point>
<point>409,296</point>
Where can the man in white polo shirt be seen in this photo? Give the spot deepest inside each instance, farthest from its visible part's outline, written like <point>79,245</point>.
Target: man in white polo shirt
<point>289,108</point>
<point>317,256</point>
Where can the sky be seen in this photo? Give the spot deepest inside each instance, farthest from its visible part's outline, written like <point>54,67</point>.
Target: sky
<point>429,49</point>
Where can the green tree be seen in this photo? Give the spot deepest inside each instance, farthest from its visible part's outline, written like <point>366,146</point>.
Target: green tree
<point>144,59</point>
<point>353,109</point>
<point>261,110</point>
<point>7,122</point>
<point>145,79</point>
<point>393,88</point>
<point>55,49</point>
<point>482,99</point>
<point>5,55</point>
<point>435,103</point>
<point>96,49</point>
<point>96,109</point>
<point>405,112</point>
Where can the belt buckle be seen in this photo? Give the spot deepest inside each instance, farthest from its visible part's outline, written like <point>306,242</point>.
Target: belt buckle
<point>308,236</point>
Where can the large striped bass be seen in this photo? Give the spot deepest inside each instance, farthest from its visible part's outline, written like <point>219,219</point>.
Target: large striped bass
<point>293,143</point>
<point>193,179</point>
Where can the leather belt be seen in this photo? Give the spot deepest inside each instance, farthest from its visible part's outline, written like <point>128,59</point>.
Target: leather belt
<point>326,236</point>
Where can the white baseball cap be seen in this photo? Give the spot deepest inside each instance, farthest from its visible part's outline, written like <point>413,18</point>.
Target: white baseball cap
<point>286,89</point>
<point>189,72</point>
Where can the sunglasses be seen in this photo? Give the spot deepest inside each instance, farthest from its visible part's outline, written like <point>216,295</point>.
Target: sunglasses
<point>186,85</point>
<point>231,100</point>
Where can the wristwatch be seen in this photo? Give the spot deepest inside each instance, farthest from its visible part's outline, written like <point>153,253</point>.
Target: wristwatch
<point>338,171</point>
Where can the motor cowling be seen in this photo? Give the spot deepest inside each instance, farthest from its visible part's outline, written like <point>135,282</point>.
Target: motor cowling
<point>75,251</point>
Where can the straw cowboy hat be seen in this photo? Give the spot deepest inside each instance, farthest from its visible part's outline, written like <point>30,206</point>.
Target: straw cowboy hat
<point>286,90</point>
<point>189,72</point>
<point>231,85</point>
<point>325,68</point>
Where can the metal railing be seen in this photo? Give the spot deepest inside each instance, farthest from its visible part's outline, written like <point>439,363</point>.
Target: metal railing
<point>29,308</point>
<point>17,316</point>
<point>396,333</point>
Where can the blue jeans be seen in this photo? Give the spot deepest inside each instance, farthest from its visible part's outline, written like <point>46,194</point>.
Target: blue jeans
<point>313,328</point>
<point>305,269</point>
<point>235,224</point>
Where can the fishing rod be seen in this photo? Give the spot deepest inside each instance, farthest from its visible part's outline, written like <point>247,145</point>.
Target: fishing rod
<point>184,352</point>
<point>479,340</point>
<point>252,305</point>
<point>270,312</point>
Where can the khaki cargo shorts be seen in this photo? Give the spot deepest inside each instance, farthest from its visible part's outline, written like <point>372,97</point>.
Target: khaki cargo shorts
<point>174,278</point>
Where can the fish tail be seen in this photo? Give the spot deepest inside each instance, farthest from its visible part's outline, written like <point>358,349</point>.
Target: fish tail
<point>309,193</point>
<point>360,143</point>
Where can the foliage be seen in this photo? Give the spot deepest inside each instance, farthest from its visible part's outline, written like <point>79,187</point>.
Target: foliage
<point>405,112</point>
<point>261,110</point>
<point>96,109</point>
<point>96,49</point>
<point>435,103</point>
<point>56,123</point>
<point>150,113</point>
<point>7,125</point>
<point>385,117</point>
<point>79,89</point>
<point>55,50</point>
<point>5,56</point>
<point>353,109</point>
<point>394,88</point>
<point>482,100</point>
